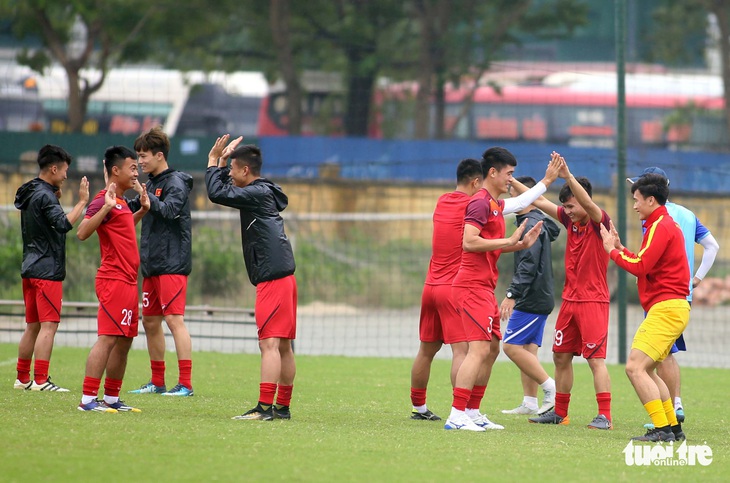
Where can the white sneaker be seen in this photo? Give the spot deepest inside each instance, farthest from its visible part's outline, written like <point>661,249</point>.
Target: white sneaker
<point>483,421</point>
<point>22,385</point>
<point>46,386</point>
<point>548,401</point>
<point>521,409</point>
<point>462,421</point>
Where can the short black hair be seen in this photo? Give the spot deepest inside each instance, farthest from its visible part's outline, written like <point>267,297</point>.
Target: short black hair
<point>115,156</point>
<point>51,154</point>
<point>497,158</point>
<point>250,155</point>
<point>155,141</point>
<point>652,185</point>
<point>467,170</point>
<point>528,181</point>
<point>566,194</point>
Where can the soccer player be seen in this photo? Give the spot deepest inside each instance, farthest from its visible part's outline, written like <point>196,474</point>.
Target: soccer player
<point>116,280</point>
<point>440,321</point>
<point>166,257</point>
<point>529,300</point>
<point>694,232</point>
<point>269,262</point>
<point>662,271</point>
<point>44,225</point>
<point>582,324</point>
<point>473,286</point>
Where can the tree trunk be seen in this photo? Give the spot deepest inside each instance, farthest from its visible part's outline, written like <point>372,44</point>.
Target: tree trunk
<point>360,82</point>
<point>76,106</point>
<point>722,13</point>
<point>279,21</point>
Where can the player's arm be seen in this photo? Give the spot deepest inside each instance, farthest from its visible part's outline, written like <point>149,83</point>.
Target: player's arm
<point>53,213</point>
<point>222,193</point>
<point>525,199</point>
<point>473,242</point>
<point>711,248</point>
<point>144,202</point>
<point>547,206</point>
<point>175,197</point>
<point>581,196</point>
<point>527,240</point>
<point>95,214</point>
<point>636,264</point>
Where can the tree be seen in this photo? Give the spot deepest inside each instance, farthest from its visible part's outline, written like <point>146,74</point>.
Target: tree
<point>79,35</point>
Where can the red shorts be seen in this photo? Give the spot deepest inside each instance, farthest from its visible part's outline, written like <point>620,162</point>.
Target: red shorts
<point>440,321</point>
<point>164,295</point>
<point>479,312</point>
<point>118,308</point>
<point>582,328</point>
<point>42,300</point>
<point>276,308</point>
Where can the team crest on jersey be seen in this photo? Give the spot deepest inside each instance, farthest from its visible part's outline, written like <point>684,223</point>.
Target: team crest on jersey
<point>495,213</point>
<point>158,191</point>
<point>575,228</point>
<point>119,207</point>
<point>591,345</point>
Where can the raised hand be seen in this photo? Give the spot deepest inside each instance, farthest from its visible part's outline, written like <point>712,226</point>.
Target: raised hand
<point>609,241</point>
<point>531,236</point>
<point>555,165</point>
<point>231,147</point>
<point>515,238</point>
<point>144,199</point>
<point>84,190</point>
<point>218,147</point>
<point>110,197</point>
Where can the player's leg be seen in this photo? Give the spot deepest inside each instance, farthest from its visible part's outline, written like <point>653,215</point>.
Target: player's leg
<point>116,367</point>
<point>270,374</point>
<point>592,319</point>
<point>566,343</point>
<point>480,386</point>
<point>640,371</point>
<point>668,370</point>
<point>458,354</point>
<point>285,385</point>
<point>530,371</point>
<point>602,386</point>
<point>420,375</point>
<point>152,317</point>
<point>25,355</point>
<point>48,304</point>
<point>95,366</point>
<point>466,378</point>
<point>173,294</point>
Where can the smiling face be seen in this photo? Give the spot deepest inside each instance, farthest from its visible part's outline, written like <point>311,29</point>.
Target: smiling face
<point>150,163</point>
<point>240,173</point>
<point>57,174</point>
<point>575,211</point>
<point>644,206</point>
<point>125,174</point>
<point>498,182</point>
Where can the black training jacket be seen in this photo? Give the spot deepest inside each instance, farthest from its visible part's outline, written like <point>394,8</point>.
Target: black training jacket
<point>266,248</point>
<point>44,225</point>
<point>166,244</point>
<point>532,282</point>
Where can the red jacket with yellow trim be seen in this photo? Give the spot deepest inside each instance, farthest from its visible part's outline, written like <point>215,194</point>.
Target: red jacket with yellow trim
<point>661,265</point>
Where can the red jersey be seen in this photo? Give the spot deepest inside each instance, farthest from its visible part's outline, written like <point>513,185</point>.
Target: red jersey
<point>448,234</point>
<point>480,268</point>
<point>117,239</point>
<point>661,265</point>
<point>586,261</point>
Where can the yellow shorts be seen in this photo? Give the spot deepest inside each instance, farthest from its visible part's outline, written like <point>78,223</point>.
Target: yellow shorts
<point>663,324</point>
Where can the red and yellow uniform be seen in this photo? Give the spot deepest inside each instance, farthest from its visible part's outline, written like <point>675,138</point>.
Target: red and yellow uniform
<point>662,271</point>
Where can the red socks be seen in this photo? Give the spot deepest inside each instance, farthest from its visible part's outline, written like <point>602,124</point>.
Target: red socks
<point>562,400</point>
<point>418,397</point>
<point>475,400</point>
<point>185,367</point>
<point>283,395</point>
<point>112,387</point>
<point>267,390</point>
<point>158,373</point>
<point>23,369</point>
<point>604,404</point>
<point>91,386</point>
<point>461,396</point>
<point>40,371</point>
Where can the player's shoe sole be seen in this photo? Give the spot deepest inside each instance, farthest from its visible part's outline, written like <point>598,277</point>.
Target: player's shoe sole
<point>121,407</point>
<point>427,416</point>
<point>179,391</point>
<point>600,422</point>
<point>46,386</point>
<point>550,418</point>
<point>95,406</point>
<point>149,388</point>
<point>22,385</point>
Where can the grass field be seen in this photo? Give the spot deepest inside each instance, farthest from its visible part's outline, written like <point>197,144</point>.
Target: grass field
<point>350,423</point>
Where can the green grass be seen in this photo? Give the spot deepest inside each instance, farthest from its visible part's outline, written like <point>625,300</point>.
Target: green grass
<point>350,423</point>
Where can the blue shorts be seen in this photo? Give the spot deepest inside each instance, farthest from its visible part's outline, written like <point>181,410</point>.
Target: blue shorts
<point>678,345</point>
<point>524,328</point>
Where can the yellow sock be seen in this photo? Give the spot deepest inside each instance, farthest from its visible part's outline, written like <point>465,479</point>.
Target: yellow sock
<point>669,411</point>
<point>656,413</point>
